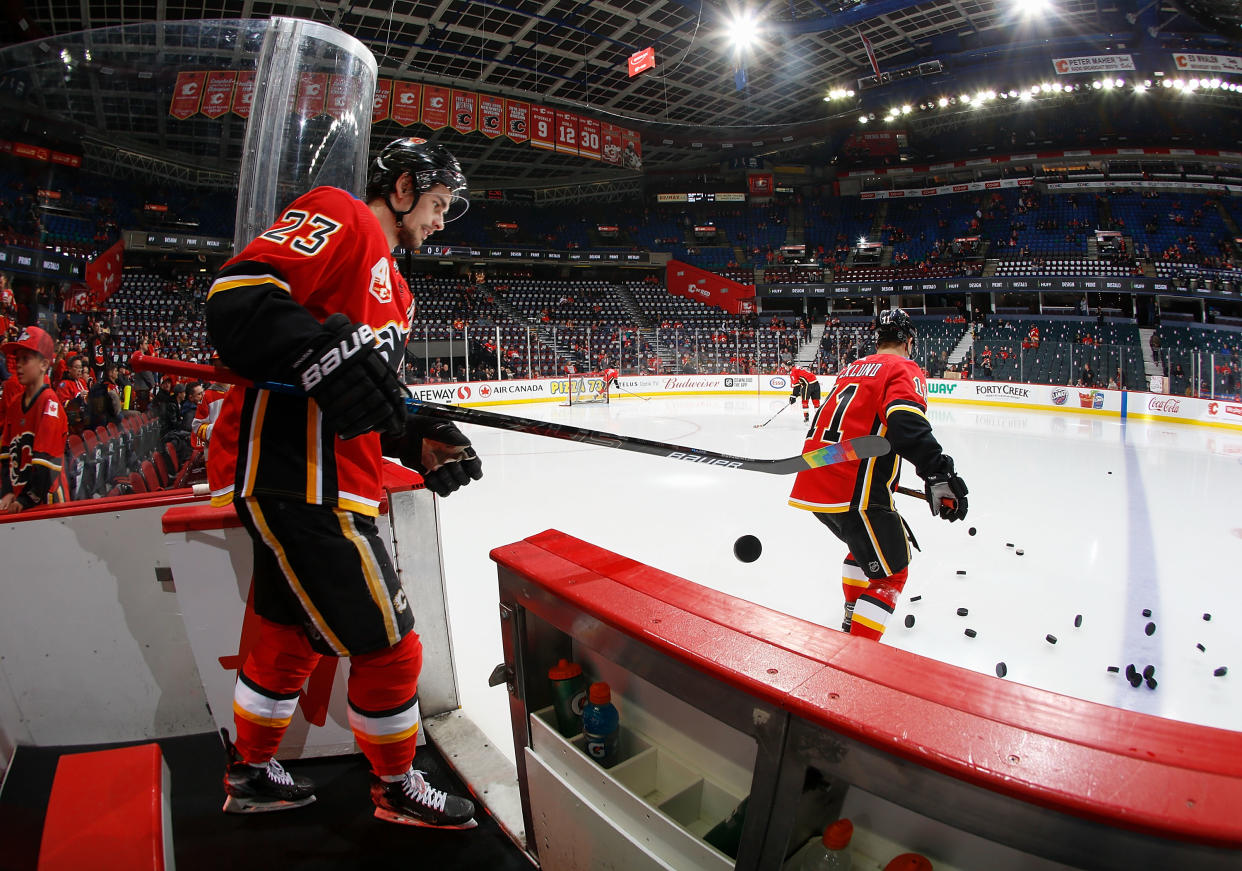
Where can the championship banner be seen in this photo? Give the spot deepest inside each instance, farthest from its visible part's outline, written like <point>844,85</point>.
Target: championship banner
<point>1213,63</point>
<point>218,92</point>
<point>588,138</point>
<point>542,126</point>
<point>187,94</point>
<point>243,94</point>
<point>491,116</point>
<point>610,143</point>
<point>566,133</point>
<point>631,150</point>
<point>383,96</point>
<point>405,103</point>
<point>517,120</point>
<point>103,274</point>
<point>338,91</point>
<point>312,93</point>
<point>465,105</point>
<point>436,106</point>
<point>1100,63</point>
<point>642,60</point>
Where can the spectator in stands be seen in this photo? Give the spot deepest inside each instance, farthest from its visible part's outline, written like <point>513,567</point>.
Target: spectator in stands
<point>1179,384</point>
<point>1086,378</point>
<point>103,400</point>
<point>166,408</point>
<point>144,382</point>
<point>189,405</point>
<point>32,436</point>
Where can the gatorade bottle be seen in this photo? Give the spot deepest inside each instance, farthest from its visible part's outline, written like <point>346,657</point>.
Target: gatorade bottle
<point>832,853</point>
<point>600,725</point>
<point>569,696</point>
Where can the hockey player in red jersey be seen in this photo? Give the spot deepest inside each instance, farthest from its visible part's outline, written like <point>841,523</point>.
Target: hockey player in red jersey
<point>317,301</point>
<point>32,432</point>
<point>883,394</point>
<point>806,386</point>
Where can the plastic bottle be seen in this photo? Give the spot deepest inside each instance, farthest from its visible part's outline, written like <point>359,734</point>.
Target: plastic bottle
<point>568,696</point>
<point>832,852</point>
<point>601,725</point>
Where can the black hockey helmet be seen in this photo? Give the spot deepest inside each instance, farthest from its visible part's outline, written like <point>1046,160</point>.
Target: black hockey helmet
<point>428,163</point>
<point>894,326</point>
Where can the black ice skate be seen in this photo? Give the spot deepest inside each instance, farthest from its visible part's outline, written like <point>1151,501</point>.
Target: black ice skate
<point>253,789</point>
<point>412,801</point>
<point>849,617</point>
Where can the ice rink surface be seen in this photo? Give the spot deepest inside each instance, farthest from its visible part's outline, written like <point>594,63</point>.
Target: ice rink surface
<point>1112,518</point>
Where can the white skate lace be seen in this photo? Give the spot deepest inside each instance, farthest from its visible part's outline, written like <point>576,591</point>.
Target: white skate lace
<point>277,774</point>
<point>417,788</point>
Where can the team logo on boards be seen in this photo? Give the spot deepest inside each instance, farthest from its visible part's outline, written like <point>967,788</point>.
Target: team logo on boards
<point>463,392</point>
<point>1059,396</point>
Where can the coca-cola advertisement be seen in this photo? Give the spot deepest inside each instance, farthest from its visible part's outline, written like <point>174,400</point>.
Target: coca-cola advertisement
<point>1164,404</point>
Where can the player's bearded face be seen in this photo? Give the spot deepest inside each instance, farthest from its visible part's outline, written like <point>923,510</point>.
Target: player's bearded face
<point>427,217</point>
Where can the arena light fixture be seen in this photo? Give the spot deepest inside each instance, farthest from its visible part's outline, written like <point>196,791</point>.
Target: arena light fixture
<point>743,30</point>
<point>942,102</point>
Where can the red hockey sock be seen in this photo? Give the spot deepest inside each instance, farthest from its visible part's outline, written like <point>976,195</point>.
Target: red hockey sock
<point>853,580</point>
<point>383,704</point>
<point>268,687</point>
<point>875,605</point>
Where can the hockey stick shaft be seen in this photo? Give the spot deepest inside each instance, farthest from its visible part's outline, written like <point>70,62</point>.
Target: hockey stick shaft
<point>631,392</point>
<point>860,448</point>
<point>773,417</point>
<point>910,491</point>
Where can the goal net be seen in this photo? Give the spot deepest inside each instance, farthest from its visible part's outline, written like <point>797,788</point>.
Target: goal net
<point>584,388</point>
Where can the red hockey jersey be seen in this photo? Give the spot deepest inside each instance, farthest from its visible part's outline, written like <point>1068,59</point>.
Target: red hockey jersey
<point>325,254</point>
<point>32,449</point>
<point>868,394</point>
<point>798,375</point>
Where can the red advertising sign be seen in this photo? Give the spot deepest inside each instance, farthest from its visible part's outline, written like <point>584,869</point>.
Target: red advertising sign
<point>66,159</point>
<point>436,107</point>
<point>406,101</point>
<point>642,60</point>
<point>243,94</point>
<point>23,149</point>
<point>631,150</point>
<point>383,96</point>
<point>588,138</point>
<point>760,184</point>
<point>312,94</point>
<point>187,94</point>
<point>610,144</point>
<point>338,91</point>
<point>682,279</point>
<point>542,127</point>
<point>218,92</point>
<point>566,133</point>
<point>517,120</point>
<point>103,274</point>
<point>465,109</point>
<point>491,116</point>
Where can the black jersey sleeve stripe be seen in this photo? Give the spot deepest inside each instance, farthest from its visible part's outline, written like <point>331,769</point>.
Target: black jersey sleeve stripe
<point>911,436</point>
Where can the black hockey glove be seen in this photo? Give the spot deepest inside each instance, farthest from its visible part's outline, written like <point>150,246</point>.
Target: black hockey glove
<point>357,391</point>
<point>797,391</point>
<point>438,451</point>
<point>946,492</point>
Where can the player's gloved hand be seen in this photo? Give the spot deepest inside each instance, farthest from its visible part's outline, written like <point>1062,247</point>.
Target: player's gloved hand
<point>946,492</point>
<point>356,390</point>
<point>797,391</point>
<point>440,452</point>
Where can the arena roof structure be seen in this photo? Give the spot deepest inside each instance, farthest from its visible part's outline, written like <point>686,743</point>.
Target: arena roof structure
<point>792,96</point>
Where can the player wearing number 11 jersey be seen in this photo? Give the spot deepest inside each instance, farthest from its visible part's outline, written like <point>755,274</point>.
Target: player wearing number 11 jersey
<point>884,394</point>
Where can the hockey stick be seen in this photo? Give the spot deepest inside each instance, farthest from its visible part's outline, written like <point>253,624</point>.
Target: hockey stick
<point>910,491</point>
<point>860,448</point>
<point>632,393</point>
<point>773,417</point>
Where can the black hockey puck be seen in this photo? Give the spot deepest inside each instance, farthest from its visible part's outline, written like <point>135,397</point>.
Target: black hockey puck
<point>1150,671</point>
<point>1114,668</point>
<point>747,548</point>
<point>915,598</point>
<point>970,633</point>
<point>961,571</point>
<point>1207,616</point>
<point>1051,639</point>
<point>1077,620</point>
<point>1019,551</point>
<point>1221,672</point>
<point>1150,629</point>
<point>1147,612</point>
<point>1009,544</point>
<point>971,531</point>
<point>1151,683</point>
<point>1131,672</point>
<point>962,612</point>
<point>1202,649</point>
<point>1137,680</point>
<point>1001,669</point>
<point>909,620</point>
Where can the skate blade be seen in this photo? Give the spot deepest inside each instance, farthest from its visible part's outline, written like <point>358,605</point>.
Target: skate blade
<point>393,817</point>
<point>234,805</point>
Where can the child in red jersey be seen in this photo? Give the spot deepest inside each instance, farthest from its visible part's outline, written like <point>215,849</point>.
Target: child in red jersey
<point>32,437</point>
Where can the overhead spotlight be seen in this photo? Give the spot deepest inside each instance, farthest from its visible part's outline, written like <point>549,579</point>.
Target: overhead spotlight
<point>862,240</point>
<point>1012,93</point>
<point>1179,84</point>
<point>1121,83</point>
<point>965,98</point>
<point>1146,83</point>
<point>1165,83</point>
<point>743,31</point>
<point>1192,85</point>
<point>826,99</point>
<point>1025,97</point>
<point>862,119</point>
<point>905,110</point>
<point>1097,84</point>
<point>942,102</point>
<point>1140,88</point>
<point>990,95</point>
<point>1214,84</point>
<point>850,92</point>
<point>1035,89</point>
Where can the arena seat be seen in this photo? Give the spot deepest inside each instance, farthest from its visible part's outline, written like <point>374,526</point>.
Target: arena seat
<point>162,471</point>
<point>137,483</point>
<point>150,476</point>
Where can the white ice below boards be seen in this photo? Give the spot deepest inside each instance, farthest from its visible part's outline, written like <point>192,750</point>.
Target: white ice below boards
<point>1113,519</point>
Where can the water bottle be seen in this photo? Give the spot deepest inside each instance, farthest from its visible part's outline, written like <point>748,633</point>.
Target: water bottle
<point>569,696</point>
<point>832,851</point>
<point>600,725</point>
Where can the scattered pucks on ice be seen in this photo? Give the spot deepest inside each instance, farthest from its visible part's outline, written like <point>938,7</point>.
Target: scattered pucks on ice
<point>1151,683</point>
<point>1207,616</point>
<point>1077,620</point>
<point>915,598</point>
<point>1221,672</point>
<point>1201,648</point>
<point>1019,551</point>
<point>1051,639</point>
<point>1001,669</point>
<point>970,633</point>
<point>1114,668</point>
<point>962,612</point>
<point>1150,671</point>
<point>1147,612</point>
<point>971,531</point>
<point>1150,629</point>
<point>909,620</point>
